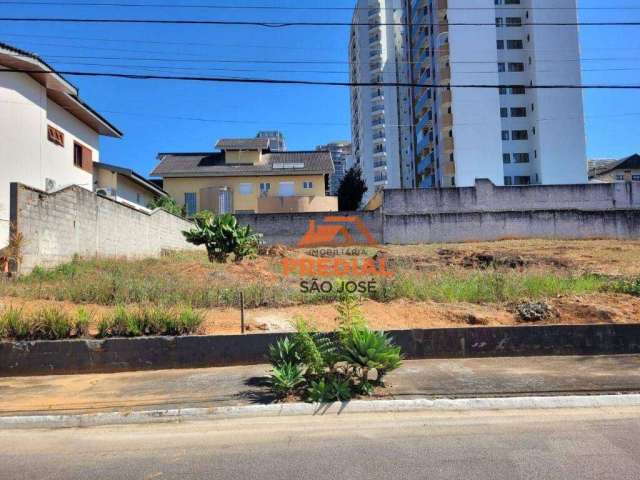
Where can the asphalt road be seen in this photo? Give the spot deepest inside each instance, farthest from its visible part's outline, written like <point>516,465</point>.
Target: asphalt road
<point>563,444</point>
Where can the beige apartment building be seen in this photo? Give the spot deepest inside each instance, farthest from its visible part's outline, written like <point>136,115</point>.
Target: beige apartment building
<point>245,176</point>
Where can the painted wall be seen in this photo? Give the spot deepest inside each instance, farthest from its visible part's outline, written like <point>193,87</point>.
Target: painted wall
<point>177,187</point>
<point>26,155</point>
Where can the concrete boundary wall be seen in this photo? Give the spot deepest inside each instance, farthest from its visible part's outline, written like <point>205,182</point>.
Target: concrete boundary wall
<point>156,353</point>
<point>485,197</point>
<point>74,221</point>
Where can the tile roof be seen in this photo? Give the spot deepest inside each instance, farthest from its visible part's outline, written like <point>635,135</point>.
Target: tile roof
<point>243,144</point>
<point>136,177</point>
<point>600,167</point>
<point>213,165</point>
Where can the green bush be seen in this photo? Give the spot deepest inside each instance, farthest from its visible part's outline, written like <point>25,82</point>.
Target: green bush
<point>333,367</point>
<point>13,324</point>
<point>144,321</point>
<point>627,287</point>
<point>223,236</point>
<point>286,380</point>
<point>50,324</point>
<point>83,321</point>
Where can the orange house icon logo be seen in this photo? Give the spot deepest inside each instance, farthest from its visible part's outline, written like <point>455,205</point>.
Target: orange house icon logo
<point>334,232</point>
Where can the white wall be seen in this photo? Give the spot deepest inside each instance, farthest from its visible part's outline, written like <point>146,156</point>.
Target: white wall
<point>559,116</point>
<point>26,155</point>
<point>476,121</point>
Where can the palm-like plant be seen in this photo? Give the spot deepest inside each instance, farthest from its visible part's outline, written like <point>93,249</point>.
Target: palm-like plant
<point>365,349</point>
<point>222,236</point>
<point>286,379</point>
<point>285,350</point>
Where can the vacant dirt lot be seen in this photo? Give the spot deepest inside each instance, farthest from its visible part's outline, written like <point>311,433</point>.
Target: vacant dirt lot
<point>453,285</point>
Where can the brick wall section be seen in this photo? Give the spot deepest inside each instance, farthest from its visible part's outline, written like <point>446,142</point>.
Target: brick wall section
<point>74,221</point>
<point>485,197</point>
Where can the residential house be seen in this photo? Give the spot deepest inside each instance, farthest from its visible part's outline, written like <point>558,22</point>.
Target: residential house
<point>245,176</point>
<point>125,186</point>
<point>610,171</point>
<point>49,138</point>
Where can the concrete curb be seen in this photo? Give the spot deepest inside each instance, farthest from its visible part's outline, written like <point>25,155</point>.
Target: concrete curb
<point>308,409</point>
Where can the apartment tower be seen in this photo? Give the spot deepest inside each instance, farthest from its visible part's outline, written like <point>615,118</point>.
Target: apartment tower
<point>381,116</point>
<point>515,134</point>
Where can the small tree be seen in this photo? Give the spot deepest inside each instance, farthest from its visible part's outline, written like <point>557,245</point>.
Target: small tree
<point>222,236</point>
<point>168,204</point>
<point>351,190</point>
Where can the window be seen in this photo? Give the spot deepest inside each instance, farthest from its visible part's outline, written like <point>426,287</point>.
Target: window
<point>505,135</point>
<point>506,158</point>
<point>519,134</point>
<point>507,181</point>
<point>307,185</point>
<point>635,178</point>
<point>513,21</point>
<point>517,90</point>
<point>55,136</point>
<point>501,67</point>
<point>514,44</point>
<point>522,180</point>
<point>190,203</point>
<point>521,157</point>
<point>245,188</point>
<point>620,177</point>
<point>498,21</point>
<point>502,90</point>
<point>500,44</point>
<point>519,112</point>
<point>265,187</point>
<point>516,67</point>
<point>504,112</point>
<point>77,155</point>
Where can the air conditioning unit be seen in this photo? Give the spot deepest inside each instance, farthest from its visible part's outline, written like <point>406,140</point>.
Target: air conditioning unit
<point>106,192</point>
<point>49,184</point>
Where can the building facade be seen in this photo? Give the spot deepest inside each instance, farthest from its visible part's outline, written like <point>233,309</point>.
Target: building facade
<point>512,135</point>
<point>615,171</point>
<point>276,139</point>
<point>381,118</point>
<point>340,153</point>
<point>125,186</point>
<point>49,138</point>
<point>245,176</point>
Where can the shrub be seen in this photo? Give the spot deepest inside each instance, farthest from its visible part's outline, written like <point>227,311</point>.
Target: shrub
<point>13,324</point>
<point>222,236</point>
<point>332,367</point>
<point>627,287</point>
<point>149,321</point>
<point>286,379</point>
<point>83,321</point>
<point>285,350</point>
<point>50,324</point>
<point>168,204</point>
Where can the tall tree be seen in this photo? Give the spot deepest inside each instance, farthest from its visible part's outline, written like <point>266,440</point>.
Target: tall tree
<point>351,190</point>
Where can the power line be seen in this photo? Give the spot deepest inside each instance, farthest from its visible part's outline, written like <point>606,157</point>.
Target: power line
<point>280,7</point>
<point>249,23</point>
<point>272,81</point>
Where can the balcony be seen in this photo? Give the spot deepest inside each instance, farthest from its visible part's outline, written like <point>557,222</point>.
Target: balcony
<point>424,123</point>
<point>446,120</point>
<point>380,153</point>
<point>377,108</point>
<point>378,123</point>
<point>423,103</point>
<point>447,145</point>
<point>445,97</point>
<point>380,164</point>
<point>424,145</point>
<point>442,6</point>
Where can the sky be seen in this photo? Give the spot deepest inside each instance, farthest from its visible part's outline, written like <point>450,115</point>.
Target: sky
<point>171,116</point>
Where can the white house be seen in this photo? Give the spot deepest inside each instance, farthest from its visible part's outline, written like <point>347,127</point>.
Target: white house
<point>49,138</point>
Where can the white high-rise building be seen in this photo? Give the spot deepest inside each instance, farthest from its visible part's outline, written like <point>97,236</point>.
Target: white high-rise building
<point>513,135</point>
<point>381,116</point>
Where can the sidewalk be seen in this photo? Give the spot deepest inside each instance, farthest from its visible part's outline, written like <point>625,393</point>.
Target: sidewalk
<point>214,387</point>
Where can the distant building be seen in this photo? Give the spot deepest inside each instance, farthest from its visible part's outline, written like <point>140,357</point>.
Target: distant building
<point>340,152</point>
<point>245,176</point>
<point>276,138</point>
<point>49,138</point>
<point>381,117</point>
<point>611,171</point>
<point>124,185</point>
